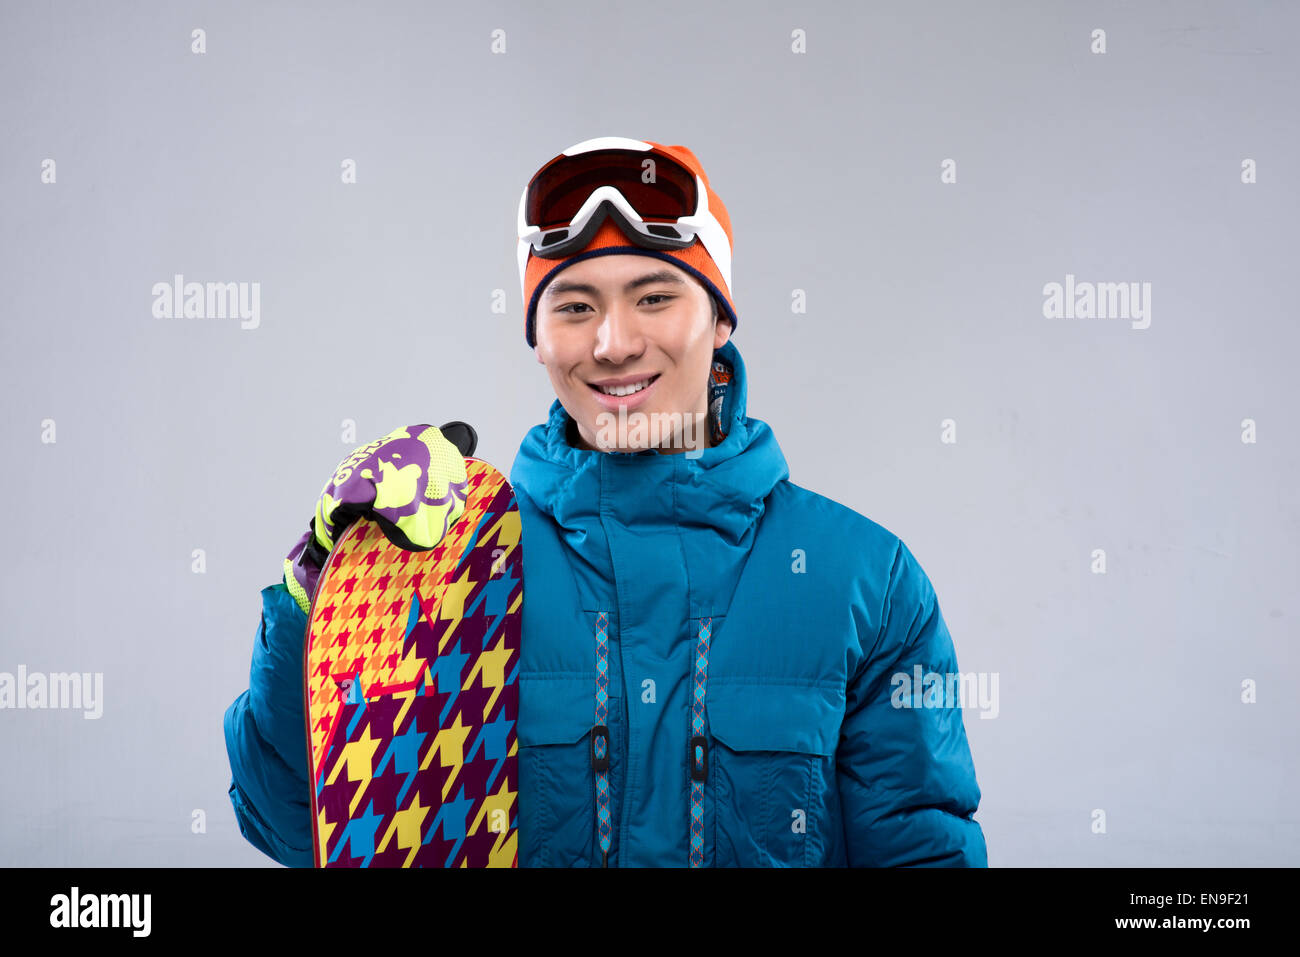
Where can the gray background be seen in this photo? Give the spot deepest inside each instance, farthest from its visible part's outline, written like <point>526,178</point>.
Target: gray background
<point>1118,691</point>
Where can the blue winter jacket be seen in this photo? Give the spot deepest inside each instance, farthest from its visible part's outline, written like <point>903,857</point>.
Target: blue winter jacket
<point>729,599</point>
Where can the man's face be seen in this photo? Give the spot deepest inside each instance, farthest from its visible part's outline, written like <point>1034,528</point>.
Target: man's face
<point>624,319</point>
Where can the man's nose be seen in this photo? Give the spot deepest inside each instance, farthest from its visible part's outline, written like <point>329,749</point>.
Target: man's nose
<point>619,334</point>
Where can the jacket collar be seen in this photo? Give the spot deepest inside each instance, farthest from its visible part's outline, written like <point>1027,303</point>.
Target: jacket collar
<point>724,487</point>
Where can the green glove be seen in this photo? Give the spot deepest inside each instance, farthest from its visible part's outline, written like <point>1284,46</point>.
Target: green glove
<point>412,482</point>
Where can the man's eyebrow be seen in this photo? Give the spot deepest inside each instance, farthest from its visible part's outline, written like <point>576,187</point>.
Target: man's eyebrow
<point>561,286</point>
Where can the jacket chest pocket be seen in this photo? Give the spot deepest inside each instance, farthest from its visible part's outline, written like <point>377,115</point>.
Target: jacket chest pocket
<point>773,767</point>
<point>556,780</point>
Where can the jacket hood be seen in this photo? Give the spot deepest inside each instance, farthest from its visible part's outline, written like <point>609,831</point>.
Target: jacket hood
<point>710,502</point>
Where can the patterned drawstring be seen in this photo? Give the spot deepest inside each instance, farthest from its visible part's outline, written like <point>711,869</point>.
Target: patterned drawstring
<point>699,750</point>
<point>600,737</point>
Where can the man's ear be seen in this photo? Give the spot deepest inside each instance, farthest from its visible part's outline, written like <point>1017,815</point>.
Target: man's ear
<point>721,331</point>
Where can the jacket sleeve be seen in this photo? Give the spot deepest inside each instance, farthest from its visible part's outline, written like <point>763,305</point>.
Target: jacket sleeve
<point>266,738</point>
<point>905,775</point>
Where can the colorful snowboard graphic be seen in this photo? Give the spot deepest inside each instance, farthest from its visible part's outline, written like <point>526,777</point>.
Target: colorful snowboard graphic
<point>411,693</point>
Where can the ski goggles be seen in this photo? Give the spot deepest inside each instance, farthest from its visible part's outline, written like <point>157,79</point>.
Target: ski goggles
<point>569,198</point>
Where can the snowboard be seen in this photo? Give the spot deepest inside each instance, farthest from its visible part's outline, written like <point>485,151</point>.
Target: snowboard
<point>411,697</point>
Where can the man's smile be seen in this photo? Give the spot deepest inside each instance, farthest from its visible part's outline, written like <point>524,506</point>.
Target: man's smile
<point>625,392</point>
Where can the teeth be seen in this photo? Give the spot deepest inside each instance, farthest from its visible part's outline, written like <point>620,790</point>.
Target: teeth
<point>625,389</point>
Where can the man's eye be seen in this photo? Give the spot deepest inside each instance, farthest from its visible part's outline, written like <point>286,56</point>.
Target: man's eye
<point>572,305</point>
<point>656,295</point>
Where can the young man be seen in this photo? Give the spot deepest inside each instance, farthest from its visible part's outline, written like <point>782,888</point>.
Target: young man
<point>708,651</point>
